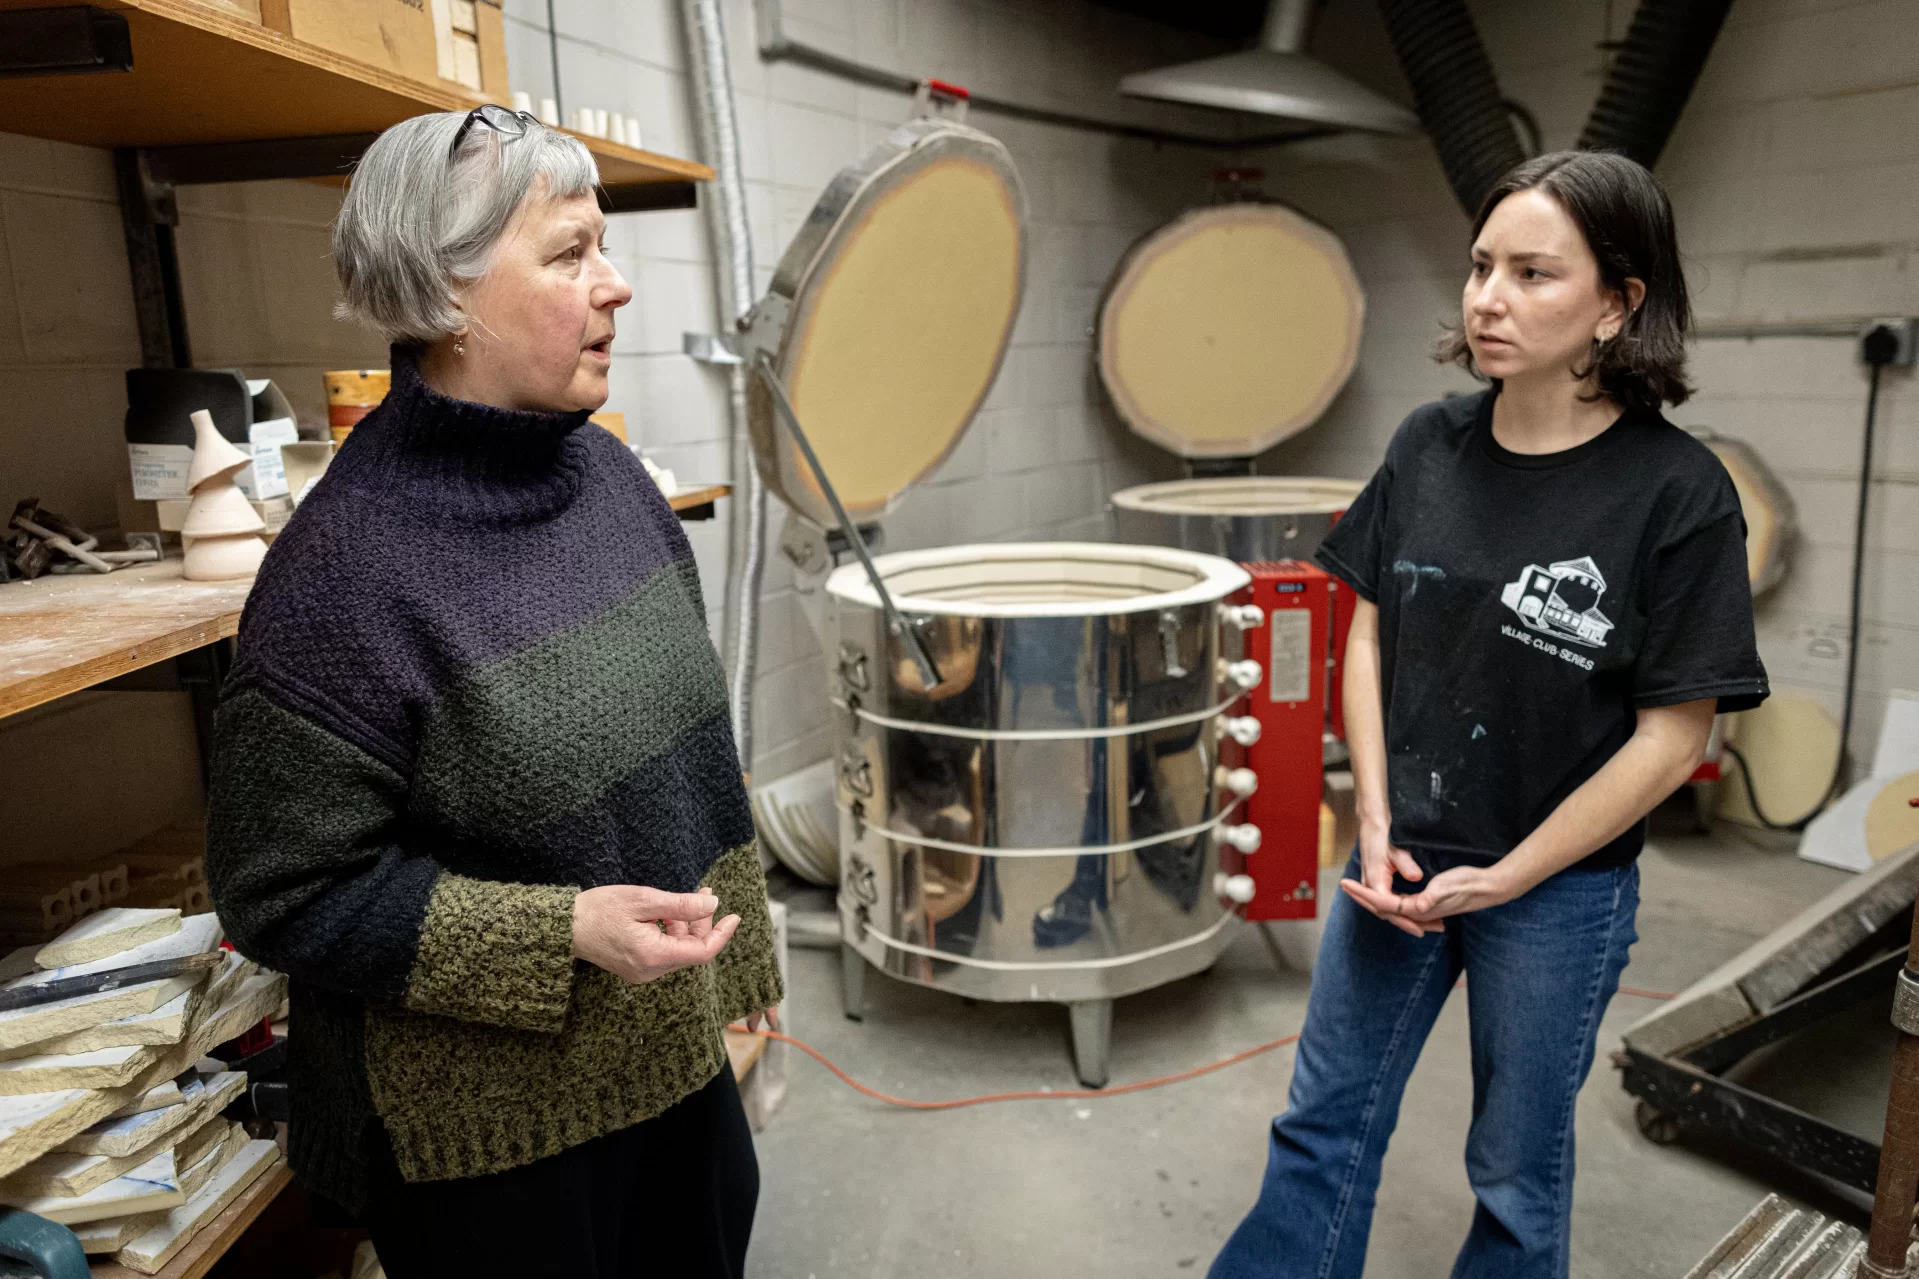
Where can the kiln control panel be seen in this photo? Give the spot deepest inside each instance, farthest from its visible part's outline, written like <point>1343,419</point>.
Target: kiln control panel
<point>1289,704</point>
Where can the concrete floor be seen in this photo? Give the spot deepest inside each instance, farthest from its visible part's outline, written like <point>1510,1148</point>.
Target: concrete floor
<point>1150,1184</point>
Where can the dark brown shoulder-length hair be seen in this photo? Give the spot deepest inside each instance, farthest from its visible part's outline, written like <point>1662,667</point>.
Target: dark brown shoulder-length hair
<point>1623,212</point>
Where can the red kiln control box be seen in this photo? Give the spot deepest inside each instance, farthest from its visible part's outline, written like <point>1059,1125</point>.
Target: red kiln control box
<point>1290,644</point>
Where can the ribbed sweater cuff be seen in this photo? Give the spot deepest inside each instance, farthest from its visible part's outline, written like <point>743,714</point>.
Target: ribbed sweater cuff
<point>496,953</point>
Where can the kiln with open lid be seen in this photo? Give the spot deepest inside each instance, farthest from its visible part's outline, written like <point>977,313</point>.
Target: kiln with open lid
<point>1224,332</point>
<point>1026,736</point>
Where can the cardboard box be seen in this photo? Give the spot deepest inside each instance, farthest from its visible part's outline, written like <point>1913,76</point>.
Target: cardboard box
<point>252,413</point>
<point>470,43</point>
<point>394,35</point>
<point>492,39</point>
<point>305,463</point>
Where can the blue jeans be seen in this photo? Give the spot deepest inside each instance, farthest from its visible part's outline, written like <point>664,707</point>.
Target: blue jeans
<point>1540,971</point>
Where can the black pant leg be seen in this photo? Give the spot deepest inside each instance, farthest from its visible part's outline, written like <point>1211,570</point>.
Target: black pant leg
<point>673,1195</point>
<point>532,1222</point>
<point>695,1186</point>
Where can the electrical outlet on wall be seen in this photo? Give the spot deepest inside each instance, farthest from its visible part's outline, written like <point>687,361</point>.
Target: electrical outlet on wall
<point>1905,329</point>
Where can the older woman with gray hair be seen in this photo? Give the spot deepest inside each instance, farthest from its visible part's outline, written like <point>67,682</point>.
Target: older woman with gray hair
<point>474,786</point>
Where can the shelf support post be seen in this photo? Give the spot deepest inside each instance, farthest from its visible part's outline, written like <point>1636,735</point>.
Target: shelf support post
<point>148,215</point>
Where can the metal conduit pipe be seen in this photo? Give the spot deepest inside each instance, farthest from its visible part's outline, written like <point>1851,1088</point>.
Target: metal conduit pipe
<point>1455,93</point>
<point>1652,75</point>
<point>732,238</point>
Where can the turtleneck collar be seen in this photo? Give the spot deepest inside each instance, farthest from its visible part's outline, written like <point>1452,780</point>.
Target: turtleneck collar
<point>454,458</point>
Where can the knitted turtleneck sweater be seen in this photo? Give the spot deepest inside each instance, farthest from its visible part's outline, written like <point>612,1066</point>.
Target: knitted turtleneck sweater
<point>473,679</point>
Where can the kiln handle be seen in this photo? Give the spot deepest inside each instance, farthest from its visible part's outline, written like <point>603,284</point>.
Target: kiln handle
<point>898,625</point>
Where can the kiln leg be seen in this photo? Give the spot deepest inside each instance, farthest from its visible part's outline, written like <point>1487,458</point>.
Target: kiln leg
<point>852,983</point>
<point>1092,1040</point>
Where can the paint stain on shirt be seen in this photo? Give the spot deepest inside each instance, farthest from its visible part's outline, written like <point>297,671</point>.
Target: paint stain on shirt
<point>1406,568</point>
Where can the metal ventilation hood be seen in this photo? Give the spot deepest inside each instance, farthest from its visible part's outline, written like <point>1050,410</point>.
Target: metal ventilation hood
<point>1276,79</point>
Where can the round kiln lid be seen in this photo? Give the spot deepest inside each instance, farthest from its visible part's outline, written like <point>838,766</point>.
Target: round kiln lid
<point>1229,329</point>
<point>1041,579</point>
<point>1242,495</point>
<point>903,285</point>
<point>1771,517</point>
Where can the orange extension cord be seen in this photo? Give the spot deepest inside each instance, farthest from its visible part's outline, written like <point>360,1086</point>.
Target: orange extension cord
<point>1076,1094</point>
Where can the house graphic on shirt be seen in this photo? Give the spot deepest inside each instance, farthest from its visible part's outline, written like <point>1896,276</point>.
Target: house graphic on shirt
<point>1561,600</point>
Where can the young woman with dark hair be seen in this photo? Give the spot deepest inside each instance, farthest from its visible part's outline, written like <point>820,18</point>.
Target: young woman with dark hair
<point>1553,604</point>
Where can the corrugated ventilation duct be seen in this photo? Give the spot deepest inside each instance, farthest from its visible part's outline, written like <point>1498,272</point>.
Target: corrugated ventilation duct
<point>1652,75</point>
<point>1456,93</point>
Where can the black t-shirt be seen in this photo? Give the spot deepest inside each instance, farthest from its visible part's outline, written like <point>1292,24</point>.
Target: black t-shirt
<point>1528,604</point>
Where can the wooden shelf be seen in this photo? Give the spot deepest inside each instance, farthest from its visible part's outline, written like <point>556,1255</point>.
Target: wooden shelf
<point>697,503</point>
<point>218,1235</point>
<point>202,75</point>
<point>59,635</point>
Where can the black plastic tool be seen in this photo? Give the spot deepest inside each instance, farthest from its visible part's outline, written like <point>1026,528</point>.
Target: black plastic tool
<point>105,980</point>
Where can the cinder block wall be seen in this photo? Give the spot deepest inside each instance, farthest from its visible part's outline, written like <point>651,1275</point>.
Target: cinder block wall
<point>1795,177</point>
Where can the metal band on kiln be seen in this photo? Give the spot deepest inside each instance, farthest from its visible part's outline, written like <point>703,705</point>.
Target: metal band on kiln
<point>1032,965</point>
<point>1070,850</point>
<point>1038,734</point>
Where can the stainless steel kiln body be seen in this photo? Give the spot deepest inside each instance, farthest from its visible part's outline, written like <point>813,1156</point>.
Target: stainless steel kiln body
<point>1060,757</point>
<point>1249,519</point>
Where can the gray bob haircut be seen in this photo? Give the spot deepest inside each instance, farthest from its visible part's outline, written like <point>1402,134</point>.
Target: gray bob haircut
<point>417,224</point>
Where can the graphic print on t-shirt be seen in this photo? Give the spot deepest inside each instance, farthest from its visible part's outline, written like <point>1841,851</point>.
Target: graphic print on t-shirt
<point>1561,600</point>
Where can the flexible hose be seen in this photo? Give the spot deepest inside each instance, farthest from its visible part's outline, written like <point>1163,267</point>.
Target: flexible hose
<point>1071,1094</point>
<point>1455,92</point>
<point>733,268</point>
<point>1652,75</point>
<point>1879,346</point>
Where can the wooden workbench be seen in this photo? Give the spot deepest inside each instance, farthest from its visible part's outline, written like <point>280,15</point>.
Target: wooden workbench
<point>61,634</point>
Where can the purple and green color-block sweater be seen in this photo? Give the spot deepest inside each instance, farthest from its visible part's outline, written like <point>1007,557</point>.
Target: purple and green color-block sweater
<point>473,679</point>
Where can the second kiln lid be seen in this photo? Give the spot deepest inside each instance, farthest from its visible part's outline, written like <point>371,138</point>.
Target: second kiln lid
<point>1229,329</point>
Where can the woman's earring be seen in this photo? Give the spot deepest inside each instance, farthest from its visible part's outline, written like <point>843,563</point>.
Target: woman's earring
<point>459,346</point>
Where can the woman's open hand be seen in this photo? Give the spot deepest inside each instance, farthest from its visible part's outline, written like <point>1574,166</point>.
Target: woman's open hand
<point>639,934</point>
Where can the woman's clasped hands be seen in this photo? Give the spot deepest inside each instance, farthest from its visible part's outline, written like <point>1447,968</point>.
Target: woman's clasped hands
<point>1456,891</point>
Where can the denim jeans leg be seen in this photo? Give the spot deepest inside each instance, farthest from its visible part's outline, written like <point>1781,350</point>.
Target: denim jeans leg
<point>1540,971</point>
<point>1376,993</point>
